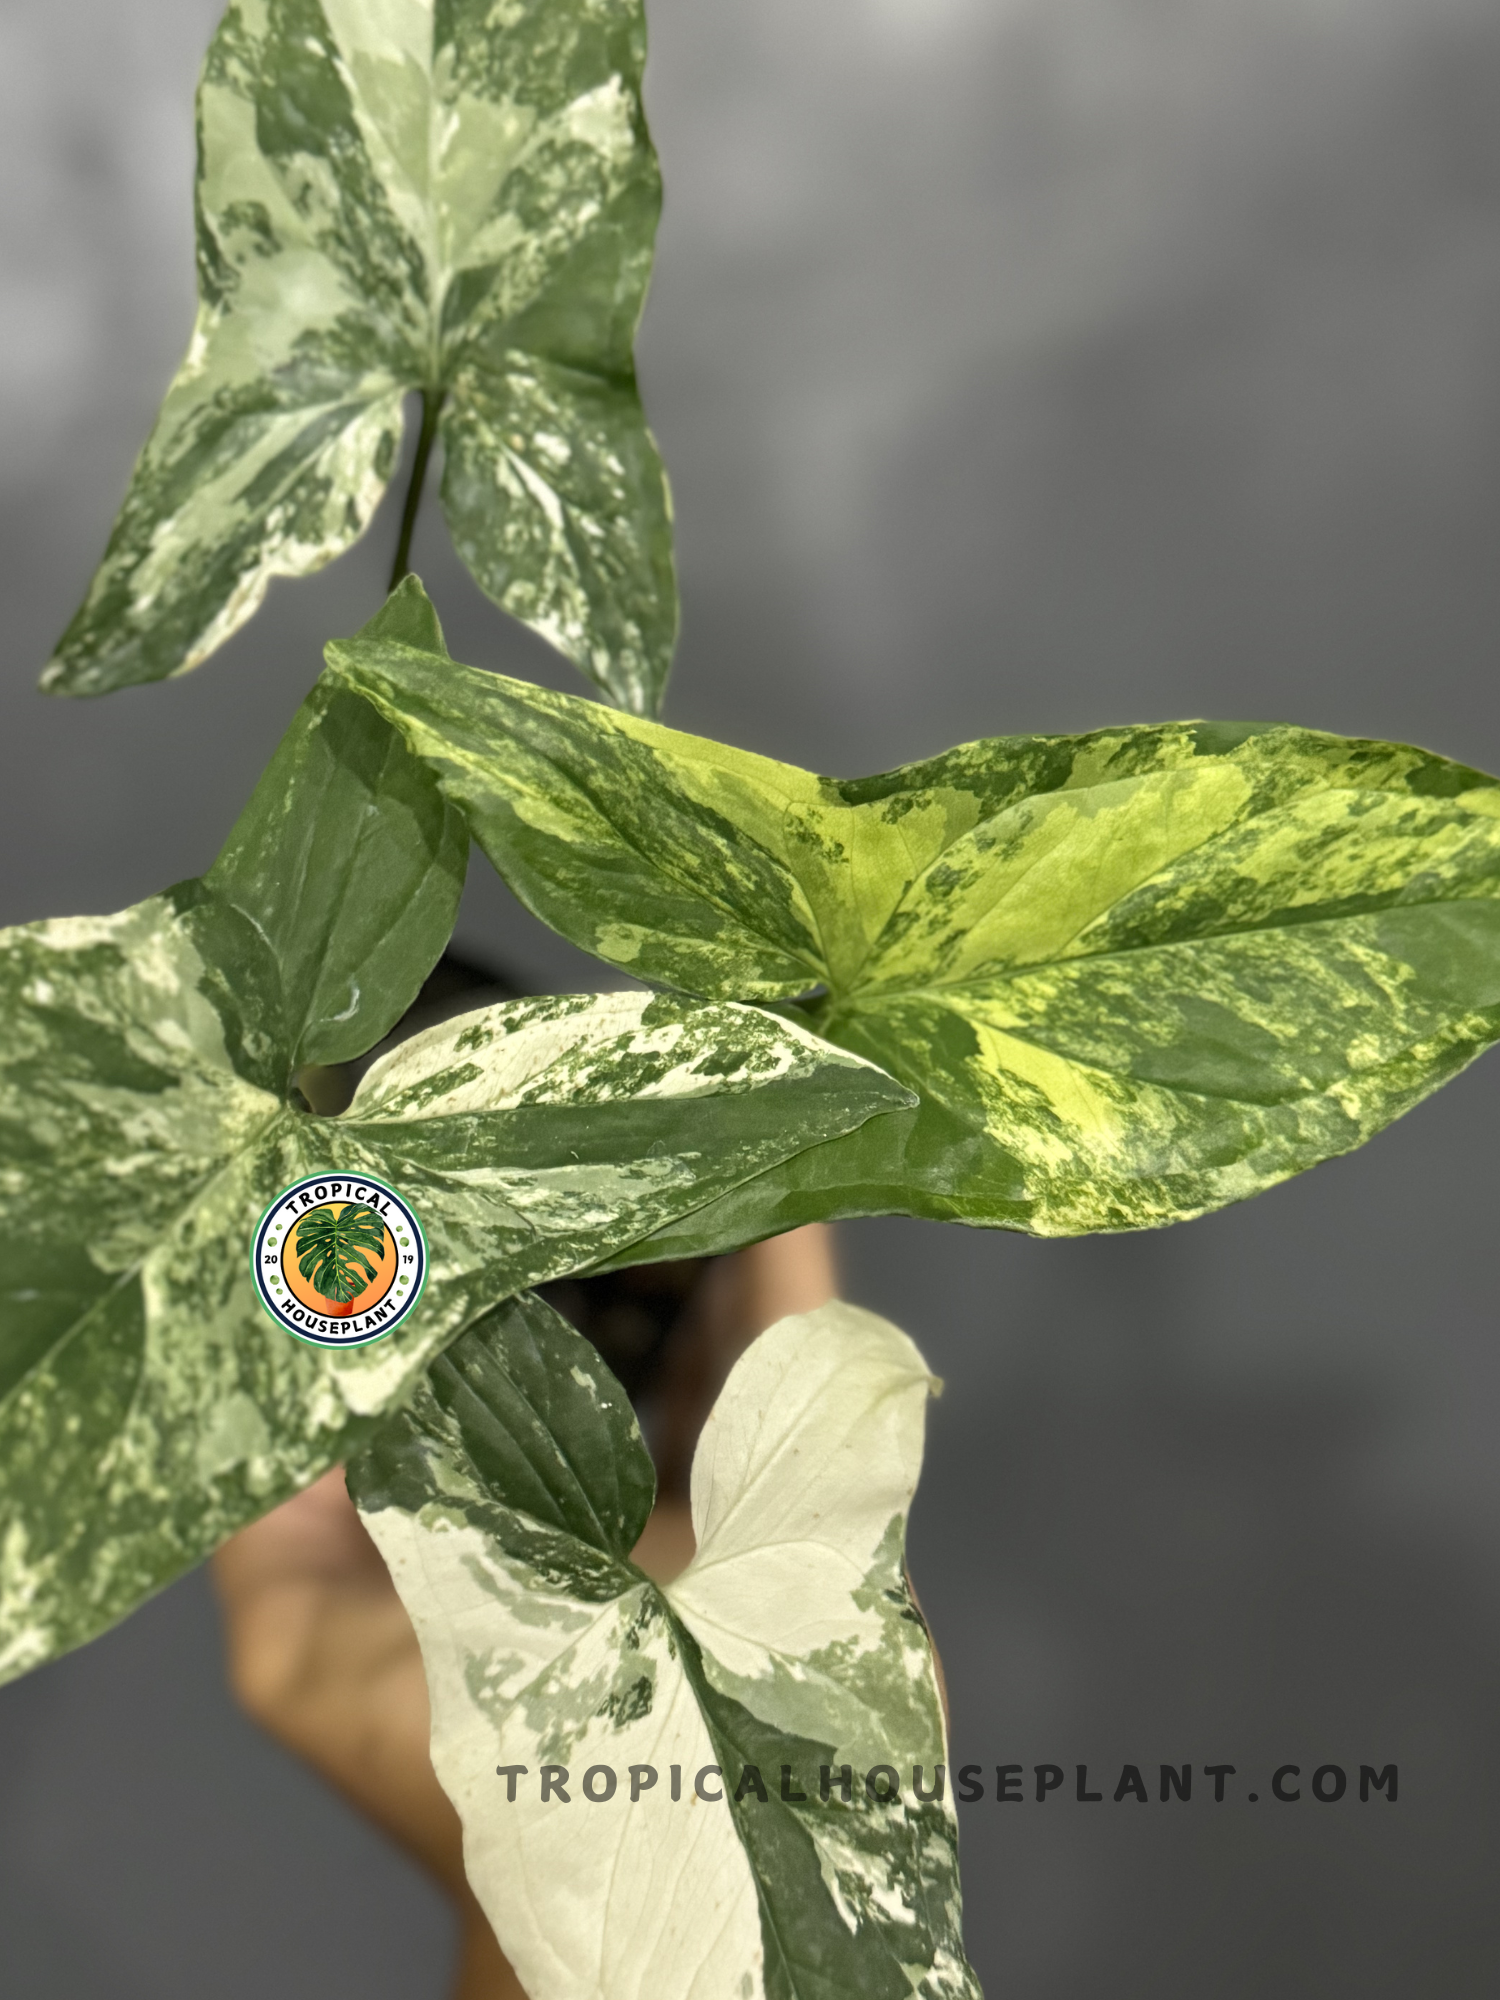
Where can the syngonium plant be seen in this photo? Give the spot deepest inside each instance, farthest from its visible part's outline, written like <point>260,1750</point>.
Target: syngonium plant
<point>1057,984</point>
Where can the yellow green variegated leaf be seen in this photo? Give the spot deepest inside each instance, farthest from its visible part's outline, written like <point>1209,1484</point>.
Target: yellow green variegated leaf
<point>148,1406</point>
<point>456,198</point>
<point>1134,974</point>
<point>506,1499</point>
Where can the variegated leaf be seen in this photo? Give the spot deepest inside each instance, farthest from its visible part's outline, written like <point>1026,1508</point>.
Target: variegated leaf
<point>148,1407</point>
<point>146,1081</point>
<point>507,1498</point>
<point>1134,975</point>
<point>458,199</point>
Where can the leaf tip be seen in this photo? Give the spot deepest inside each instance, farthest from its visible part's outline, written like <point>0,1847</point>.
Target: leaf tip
<point>59,677</point>
<point>408,618</point>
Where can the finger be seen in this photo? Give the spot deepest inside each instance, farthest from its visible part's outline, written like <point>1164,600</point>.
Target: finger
<point>786,1274</point>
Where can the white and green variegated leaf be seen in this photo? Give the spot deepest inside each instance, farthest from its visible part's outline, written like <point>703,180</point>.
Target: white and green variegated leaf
<point>1134,975</point>
<point>147,1075</point>
<point>506,1499</point>
<point>148,1407</point>
<point>455,198</point>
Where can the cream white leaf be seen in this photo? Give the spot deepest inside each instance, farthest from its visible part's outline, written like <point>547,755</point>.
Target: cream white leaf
<point>506,1499</point>
<point>814,1449</point>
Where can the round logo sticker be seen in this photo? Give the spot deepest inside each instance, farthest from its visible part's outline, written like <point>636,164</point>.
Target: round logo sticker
<point>339,1262</point>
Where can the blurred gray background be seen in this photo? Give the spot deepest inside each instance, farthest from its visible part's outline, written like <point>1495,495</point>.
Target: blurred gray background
<point>1020,365</point>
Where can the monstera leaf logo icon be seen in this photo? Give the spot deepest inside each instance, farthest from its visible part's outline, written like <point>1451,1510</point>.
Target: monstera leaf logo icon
<point>335,1249</point>
<point>339,1261</point>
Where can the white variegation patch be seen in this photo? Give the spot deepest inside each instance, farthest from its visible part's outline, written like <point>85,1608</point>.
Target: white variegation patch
<point>811,1452</point>
<point>595,1897</point>
<point>569,1048</point>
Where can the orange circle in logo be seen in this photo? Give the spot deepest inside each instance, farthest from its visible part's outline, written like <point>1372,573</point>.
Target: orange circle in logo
<point>385,1267</point>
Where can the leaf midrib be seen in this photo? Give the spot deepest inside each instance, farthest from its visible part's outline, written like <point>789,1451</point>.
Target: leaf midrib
<point>694,1671</point>
<point>387,695</point>
<point>1213,834</point>
<point>868,999</point>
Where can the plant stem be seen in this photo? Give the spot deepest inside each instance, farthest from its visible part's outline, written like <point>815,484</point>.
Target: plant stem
<point>432,403</point>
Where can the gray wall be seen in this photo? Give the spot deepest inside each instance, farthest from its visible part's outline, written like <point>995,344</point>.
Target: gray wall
<point>1023,365</point>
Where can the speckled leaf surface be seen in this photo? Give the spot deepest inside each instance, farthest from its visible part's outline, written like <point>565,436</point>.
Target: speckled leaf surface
<point>1135,974</point>
<point>147,1405</point>
<point>457,198</point>
<point>507,1498</point>
<point>148,1116</point>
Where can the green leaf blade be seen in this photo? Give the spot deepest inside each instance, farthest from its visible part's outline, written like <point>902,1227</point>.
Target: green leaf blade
<point>544,1136</point>
<point>349,864</point>
<point>561,1444</point>
<point>413,199</point>
<point>1133,975</point>
<point>790,1639</point>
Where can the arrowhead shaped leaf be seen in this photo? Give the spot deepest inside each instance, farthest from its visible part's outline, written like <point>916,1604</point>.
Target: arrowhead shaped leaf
<point>506,1499</point>
<point>458,199</point>
<point>1134,975</point>
<point>147,1405</point>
